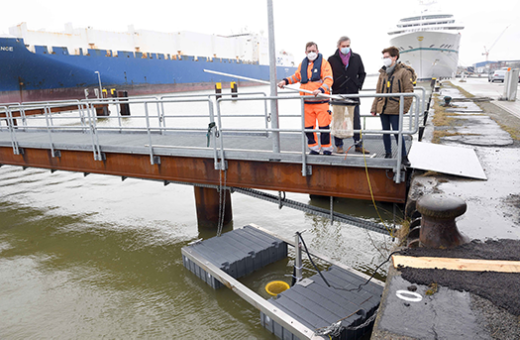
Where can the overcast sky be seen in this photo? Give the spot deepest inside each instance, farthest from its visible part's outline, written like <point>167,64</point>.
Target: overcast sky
<point>296,21</point>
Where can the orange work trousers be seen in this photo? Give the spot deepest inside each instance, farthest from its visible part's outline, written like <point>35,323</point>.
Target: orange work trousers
<point>321,113</point>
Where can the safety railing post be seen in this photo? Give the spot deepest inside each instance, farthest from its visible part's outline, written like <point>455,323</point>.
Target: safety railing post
<point>397,170</point>
<point>267,117</point>
<point>96,149</point>
<point>22,114</point>
<point>221,138</point>
<point>149,132</point>
<point>11,128</point>
<point>81,114</point>
<point>118,110</point>
<point>211,104</point>
<point>418,111</point>
<point>304,144</point>
<point>162,119</point>
<point>96,134</point>
<point>159,118</point>
<point>47,109</point>
<point>298,272</point>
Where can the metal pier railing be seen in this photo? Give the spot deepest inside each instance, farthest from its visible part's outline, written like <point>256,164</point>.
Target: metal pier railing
<point>230,130</point>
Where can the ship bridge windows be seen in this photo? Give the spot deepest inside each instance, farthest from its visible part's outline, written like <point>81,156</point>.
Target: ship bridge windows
<point>427,23</point>
<point>425,17</point>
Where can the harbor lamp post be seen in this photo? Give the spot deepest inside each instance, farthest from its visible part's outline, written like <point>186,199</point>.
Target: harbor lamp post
<point>100,87</point>
<point>272,78</point>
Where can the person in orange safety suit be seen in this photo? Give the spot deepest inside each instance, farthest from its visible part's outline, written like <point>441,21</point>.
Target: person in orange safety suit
<point>317,77</point>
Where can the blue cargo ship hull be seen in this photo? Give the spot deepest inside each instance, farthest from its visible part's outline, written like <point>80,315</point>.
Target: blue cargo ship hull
<point>40,75</point>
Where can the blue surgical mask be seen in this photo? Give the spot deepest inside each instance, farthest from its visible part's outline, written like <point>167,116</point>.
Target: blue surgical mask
<point>345,50</point>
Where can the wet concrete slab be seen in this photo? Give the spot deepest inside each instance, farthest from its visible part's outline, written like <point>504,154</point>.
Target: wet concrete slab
<point>408,311</point>
<point>494,205</point>
<point>464,110</point>
<point>479,130</point>
<point>486,284</point>
<point>442,304</point>
<point>493,212</point>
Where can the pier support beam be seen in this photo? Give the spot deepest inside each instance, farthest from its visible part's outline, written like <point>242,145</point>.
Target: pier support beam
<point>207,203</point>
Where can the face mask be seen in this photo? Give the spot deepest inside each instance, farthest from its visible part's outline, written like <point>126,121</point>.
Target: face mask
<point>312,56</point>
<point>387,62</point>
<point>345,50</point>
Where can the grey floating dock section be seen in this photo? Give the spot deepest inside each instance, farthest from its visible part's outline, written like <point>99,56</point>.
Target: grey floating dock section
<point>299,311</point>
<point>237,253</point>
<point>316,305</point>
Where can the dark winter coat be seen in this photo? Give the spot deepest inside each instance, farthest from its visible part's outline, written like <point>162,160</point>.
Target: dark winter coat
<point>349,80</point>
<point>397,82</point>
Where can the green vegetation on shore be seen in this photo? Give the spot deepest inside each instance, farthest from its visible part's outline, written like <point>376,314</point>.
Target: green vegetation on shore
<point>443,120</point>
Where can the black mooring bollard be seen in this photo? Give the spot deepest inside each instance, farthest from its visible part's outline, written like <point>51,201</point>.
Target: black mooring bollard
<point>438,227</point>
<point>218,89</point>
<point>432,83</point>
<point>234,89</point>
<point>125,108</point>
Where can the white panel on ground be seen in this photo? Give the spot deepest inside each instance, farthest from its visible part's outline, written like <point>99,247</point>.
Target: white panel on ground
<point>446,159</point>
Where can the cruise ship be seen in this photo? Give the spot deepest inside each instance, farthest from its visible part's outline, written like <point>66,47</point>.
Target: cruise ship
<point>428,41</point>
<point>41,65</point>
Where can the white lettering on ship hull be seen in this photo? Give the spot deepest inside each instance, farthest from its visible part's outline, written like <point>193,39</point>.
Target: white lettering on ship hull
<point>6,48</point>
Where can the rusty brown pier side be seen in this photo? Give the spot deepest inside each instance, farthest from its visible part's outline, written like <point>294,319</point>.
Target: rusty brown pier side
<point>326,180</point>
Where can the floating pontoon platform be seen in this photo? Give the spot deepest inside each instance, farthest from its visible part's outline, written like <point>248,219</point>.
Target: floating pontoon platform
<point>307,307</point>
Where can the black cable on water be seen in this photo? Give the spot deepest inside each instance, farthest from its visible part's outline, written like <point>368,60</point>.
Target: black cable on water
<point>309,256</point>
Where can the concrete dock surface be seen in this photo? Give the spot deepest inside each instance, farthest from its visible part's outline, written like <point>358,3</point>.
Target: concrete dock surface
<point>443,304</point>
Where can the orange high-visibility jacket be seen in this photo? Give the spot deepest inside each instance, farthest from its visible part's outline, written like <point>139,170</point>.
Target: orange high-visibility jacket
<point>324,84</point>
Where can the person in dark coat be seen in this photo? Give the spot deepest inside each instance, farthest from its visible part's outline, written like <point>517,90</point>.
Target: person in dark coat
<point>349,76</point>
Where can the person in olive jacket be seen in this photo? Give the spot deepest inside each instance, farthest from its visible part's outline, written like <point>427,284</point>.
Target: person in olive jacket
<point>393,78</point>
<point>349,76</point>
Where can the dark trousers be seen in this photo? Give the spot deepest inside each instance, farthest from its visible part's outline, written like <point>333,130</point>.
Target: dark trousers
<point>357,126</point>
<point>386,122</point>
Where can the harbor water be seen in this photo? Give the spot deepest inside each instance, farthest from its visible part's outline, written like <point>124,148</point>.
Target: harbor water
<point>98,257</point>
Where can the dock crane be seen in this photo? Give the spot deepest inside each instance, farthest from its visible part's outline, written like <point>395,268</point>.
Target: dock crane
<point>486,51</point>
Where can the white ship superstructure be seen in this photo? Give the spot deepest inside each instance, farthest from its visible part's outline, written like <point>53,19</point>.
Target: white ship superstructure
<point>429,42</point>
<point>248,47</point>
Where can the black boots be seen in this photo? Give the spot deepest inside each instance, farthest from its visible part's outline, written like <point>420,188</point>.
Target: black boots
<point>404,161</point>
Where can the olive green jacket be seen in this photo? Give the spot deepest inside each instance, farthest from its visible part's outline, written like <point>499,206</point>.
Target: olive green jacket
<point>398,82</point>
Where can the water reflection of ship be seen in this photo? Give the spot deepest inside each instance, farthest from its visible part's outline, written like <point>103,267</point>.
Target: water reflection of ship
<point>429,41</point>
